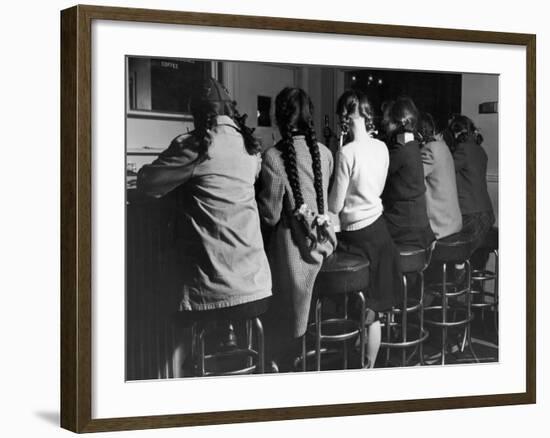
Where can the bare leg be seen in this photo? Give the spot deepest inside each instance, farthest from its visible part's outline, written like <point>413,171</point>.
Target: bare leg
<point>374,337</point>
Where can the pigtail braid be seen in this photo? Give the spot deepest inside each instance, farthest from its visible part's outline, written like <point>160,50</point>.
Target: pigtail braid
<point>202,133</point>
<point>251,143</point>
<point>322,226</point>
<point>291,169</point>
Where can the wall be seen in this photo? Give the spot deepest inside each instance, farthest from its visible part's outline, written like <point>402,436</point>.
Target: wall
<point>476,89</point>
<point>29,229</point>
<point>245,82</point>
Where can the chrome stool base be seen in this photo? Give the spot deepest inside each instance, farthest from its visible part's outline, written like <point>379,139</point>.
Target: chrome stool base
<point>479,277</point>
<point>449,291</point>
<point>252,355</point>
<point>413,262</point>
<point>333,331</point>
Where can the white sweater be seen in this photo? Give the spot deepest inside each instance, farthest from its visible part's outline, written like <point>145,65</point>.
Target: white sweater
<point>360,174</point>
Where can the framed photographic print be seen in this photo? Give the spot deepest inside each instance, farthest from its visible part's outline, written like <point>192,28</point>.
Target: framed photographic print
<point>268,219</point>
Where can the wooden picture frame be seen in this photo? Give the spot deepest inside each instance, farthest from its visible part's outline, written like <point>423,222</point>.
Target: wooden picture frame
<point>76,217</point>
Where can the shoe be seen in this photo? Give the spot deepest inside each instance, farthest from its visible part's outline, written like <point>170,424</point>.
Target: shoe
<point>460,274</point>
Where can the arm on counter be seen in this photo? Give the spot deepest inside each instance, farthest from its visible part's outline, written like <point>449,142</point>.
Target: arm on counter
<point>171,169</point>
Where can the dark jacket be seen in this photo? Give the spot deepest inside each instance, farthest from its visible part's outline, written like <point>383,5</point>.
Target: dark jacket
<point>404,197</point>
<point>471,178</point>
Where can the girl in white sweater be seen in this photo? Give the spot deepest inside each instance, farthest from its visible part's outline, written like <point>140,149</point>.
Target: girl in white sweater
<point>359,178</point>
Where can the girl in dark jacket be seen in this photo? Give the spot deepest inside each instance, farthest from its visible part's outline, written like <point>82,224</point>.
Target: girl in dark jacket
<point>404,195</point>
<point>470,161</point>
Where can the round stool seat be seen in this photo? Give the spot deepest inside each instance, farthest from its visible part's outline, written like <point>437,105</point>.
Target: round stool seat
<point>454,249</point>
<point>413,259</point>
<point>342,273</point>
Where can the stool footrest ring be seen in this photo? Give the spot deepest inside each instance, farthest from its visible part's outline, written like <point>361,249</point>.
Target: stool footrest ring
<point>455,323</point>
<point>406,344</point>
<point>346,329</point>
<point>239,353</point>
<point>413,308</point>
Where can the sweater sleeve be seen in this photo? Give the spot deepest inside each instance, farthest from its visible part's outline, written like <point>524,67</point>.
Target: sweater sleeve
<point>272,190</point>
<point>171,169</point>
<point>397,156</point>
<point>459,158</point>
<point>342,175</point>
<point>427,160</point>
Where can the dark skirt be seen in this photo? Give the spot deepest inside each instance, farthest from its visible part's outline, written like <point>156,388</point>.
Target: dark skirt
<point>410,237</point>
<point>375,243</point>
<point>477,225</point>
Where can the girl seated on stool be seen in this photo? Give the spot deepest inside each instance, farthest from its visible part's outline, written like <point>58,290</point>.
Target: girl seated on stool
<point>404,195</point>
<point>359,177</point>
<point>470,160</point>
<point>211,171</point>
<point>439,177</point>
<point>293,200</point>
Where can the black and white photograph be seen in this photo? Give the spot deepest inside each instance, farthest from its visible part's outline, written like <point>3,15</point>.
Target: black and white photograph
<point>299,218</point>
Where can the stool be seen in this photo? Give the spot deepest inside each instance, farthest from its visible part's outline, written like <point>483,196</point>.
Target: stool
<point>341,275</point>
<point>480,276</point>
<point>413,261</point>
<point>454,249</point>
<point>203,323</point>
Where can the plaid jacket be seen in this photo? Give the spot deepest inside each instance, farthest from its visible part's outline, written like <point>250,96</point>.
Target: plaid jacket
<point>293,277</point>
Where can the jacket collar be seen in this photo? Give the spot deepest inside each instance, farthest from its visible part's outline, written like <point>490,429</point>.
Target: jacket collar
<point>226,121</point>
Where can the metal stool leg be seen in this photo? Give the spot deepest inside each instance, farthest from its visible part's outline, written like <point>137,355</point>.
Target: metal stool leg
<point>444,314</point>
<point>345,345</point>
<point>261,346</point>
<point>388,336</point>
<point>201,367</point>
<point>362,321</point>
<point>404,317</point>
<point>249,340</point>
<point>193,353</point>
<point>495,292</point>
<point>318,310</point>
<point>421,316</point>
<point>304,353</point>
<point>469,310</point>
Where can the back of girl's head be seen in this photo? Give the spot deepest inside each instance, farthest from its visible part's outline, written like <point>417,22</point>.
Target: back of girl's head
<point>354,103</point>
<point>461,129</point>
<point>400,116</point>
<point>293,110</point>
<point>426,128</point>
<point>210,100</point>
<point>294,115</point>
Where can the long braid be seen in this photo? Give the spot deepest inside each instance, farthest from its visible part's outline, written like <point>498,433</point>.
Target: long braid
<point>203,126</point>
<point>291,169</point>
<point>251,143</point>
<point>311,140</point>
